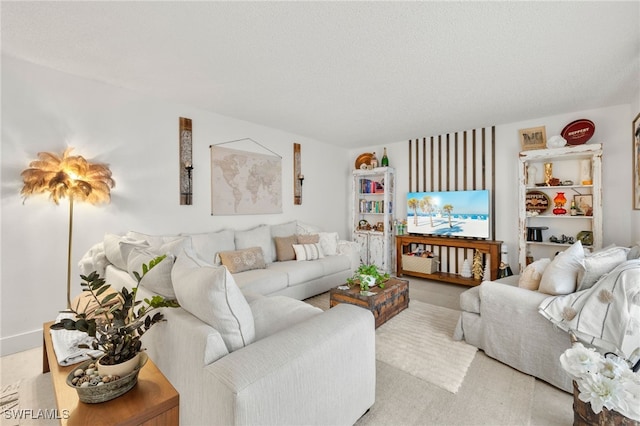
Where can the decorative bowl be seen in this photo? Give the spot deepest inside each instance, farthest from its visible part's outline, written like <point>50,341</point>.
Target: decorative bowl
<point>106,391</point>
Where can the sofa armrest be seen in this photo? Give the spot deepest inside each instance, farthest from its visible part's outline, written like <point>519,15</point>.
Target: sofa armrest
<point>351,249</point>
<point>320,371</point>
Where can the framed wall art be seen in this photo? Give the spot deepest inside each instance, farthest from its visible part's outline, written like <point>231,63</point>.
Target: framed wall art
<point>584,204</point>
<point>636,162</point>
<point>533,138</point>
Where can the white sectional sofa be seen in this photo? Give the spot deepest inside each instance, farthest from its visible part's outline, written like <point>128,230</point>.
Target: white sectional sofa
<point>266,276</point>
<point>244,353</point>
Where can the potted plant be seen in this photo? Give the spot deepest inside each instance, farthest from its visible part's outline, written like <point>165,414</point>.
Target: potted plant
<point>117,328</point>
<point>367,276</point>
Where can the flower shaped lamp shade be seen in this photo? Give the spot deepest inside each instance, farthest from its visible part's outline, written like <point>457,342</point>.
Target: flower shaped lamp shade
<point>68,176</point>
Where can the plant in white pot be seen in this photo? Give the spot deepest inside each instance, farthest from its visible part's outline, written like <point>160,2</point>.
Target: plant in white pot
<point>116,327</point>
<point>368,276</point>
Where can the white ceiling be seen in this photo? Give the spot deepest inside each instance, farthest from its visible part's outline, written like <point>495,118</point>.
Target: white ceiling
<point>347,73</point>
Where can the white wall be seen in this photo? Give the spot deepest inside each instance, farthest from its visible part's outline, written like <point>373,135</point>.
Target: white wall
<point>612,130</point>
<point>44,110</point>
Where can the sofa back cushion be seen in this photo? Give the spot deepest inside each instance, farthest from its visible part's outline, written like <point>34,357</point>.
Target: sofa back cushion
<point>158,279</point>
<point>260,236</point>
<point>207,245</point>
<point>597,264</point>
<point>210,293</point>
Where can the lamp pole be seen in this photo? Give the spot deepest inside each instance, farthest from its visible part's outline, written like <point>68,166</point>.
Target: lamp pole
<point>69,251</point>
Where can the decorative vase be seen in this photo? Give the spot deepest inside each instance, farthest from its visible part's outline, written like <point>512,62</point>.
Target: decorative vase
<point>583,415</point>
<point>559,200</point>
<point>366,282</point>
<point>532,175</point>
<point>121,369</point>
<point>548,173</point>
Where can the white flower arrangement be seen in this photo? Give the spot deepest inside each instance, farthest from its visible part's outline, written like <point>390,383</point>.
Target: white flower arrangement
<point>603,381</point>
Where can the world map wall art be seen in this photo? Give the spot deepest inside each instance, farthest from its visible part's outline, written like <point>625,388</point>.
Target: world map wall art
<point>244,182</point>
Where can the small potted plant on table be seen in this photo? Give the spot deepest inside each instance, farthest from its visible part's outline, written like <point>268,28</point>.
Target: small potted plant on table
<point>367,276</point>
<point>117,329</point>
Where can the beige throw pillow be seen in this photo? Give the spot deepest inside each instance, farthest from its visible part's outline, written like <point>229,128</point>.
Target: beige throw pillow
<point>284,248</point>
<point>532,274</point>
<point>309,239</point>
<point>243,260</point>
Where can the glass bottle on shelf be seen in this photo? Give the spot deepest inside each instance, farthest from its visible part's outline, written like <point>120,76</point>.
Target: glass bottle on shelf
<point>385,159</point>
<point>374,161</point>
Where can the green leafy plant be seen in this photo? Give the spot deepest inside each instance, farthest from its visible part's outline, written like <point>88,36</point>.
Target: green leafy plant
<point>117,327</point>
<point>367,270</point>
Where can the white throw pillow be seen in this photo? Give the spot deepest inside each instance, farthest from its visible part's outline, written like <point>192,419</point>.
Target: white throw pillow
<point>561,276</point>
<point>599,263</point>
<point>158,279</point>
<point>117,249</point>
<point>308,252</point>
<point>259,236</point>
<point>532,274</point>
<point>210,293</point>
<point>328,243</point>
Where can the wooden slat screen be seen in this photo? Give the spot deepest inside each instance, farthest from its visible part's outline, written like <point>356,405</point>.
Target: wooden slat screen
<point>461,161</point>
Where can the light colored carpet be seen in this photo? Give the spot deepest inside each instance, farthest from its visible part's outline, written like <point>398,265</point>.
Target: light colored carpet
<point>418,341</point>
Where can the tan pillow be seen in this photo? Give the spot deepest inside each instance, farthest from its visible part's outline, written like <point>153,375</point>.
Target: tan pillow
<point>284,248</point>
<point>308,239</point>
<point>243,260</point>
<point>532,274</point>
<point>85,303</point>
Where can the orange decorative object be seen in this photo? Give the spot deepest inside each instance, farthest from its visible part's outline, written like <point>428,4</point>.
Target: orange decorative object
<point>559,200</point>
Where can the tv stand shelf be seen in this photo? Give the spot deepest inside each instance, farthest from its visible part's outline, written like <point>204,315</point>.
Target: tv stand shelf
<point>490,247</point>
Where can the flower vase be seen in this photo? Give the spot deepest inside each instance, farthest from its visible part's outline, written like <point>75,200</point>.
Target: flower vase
<point>583,415</point>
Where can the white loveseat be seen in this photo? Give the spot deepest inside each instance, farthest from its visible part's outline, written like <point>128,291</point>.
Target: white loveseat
<point>526,327</point>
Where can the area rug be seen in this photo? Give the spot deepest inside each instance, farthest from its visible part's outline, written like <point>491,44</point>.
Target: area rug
<point>418,341</point>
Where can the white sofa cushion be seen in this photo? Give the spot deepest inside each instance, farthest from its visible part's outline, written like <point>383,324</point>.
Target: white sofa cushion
<point>158,279</point>
<point>207,245</point>
<point>262,281</point>
<point>328,243</point>
<point>561,276</point>
<point>299,272</point>
<point>599,263</point>
<point>275,313</point>
<point>334,264</point>
<point>210,293</point>
<point>260,236</point>
<point>118,253</point>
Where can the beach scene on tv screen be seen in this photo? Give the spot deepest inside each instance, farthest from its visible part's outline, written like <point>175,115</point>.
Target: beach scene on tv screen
<point>450,213</point>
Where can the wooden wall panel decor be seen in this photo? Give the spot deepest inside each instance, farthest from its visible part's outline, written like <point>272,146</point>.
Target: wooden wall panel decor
<point>185,139</point>
<point>298,177</point>
<point>459,161</point>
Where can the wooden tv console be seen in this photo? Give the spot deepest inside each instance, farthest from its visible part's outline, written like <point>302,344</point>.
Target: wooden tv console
<point>491,247</point>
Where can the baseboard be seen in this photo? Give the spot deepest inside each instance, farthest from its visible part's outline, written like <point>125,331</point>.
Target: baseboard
<point>20,342</point>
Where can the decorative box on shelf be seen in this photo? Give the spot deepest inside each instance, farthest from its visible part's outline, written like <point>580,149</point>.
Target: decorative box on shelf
<point>425,265</point>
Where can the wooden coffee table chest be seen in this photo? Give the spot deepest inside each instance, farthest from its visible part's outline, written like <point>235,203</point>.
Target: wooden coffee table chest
<point>384,303</point>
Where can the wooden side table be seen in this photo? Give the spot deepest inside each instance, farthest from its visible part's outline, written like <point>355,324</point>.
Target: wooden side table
<point>153,401</point>
<point>384,303</point>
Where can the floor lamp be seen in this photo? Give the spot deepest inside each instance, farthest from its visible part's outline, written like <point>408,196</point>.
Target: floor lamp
<point>69,176</point>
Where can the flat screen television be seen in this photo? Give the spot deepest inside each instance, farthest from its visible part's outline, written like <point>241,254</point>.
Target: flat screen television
<point>449,213</point>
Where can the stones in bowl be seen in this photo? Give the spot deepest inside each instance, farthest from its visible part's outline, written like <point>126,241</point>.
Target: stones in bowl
<point>93,388</point>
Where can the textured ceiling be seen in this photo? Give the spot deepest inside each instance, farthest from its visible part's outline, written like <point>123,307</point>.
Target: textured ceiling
<point>347,73</point>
